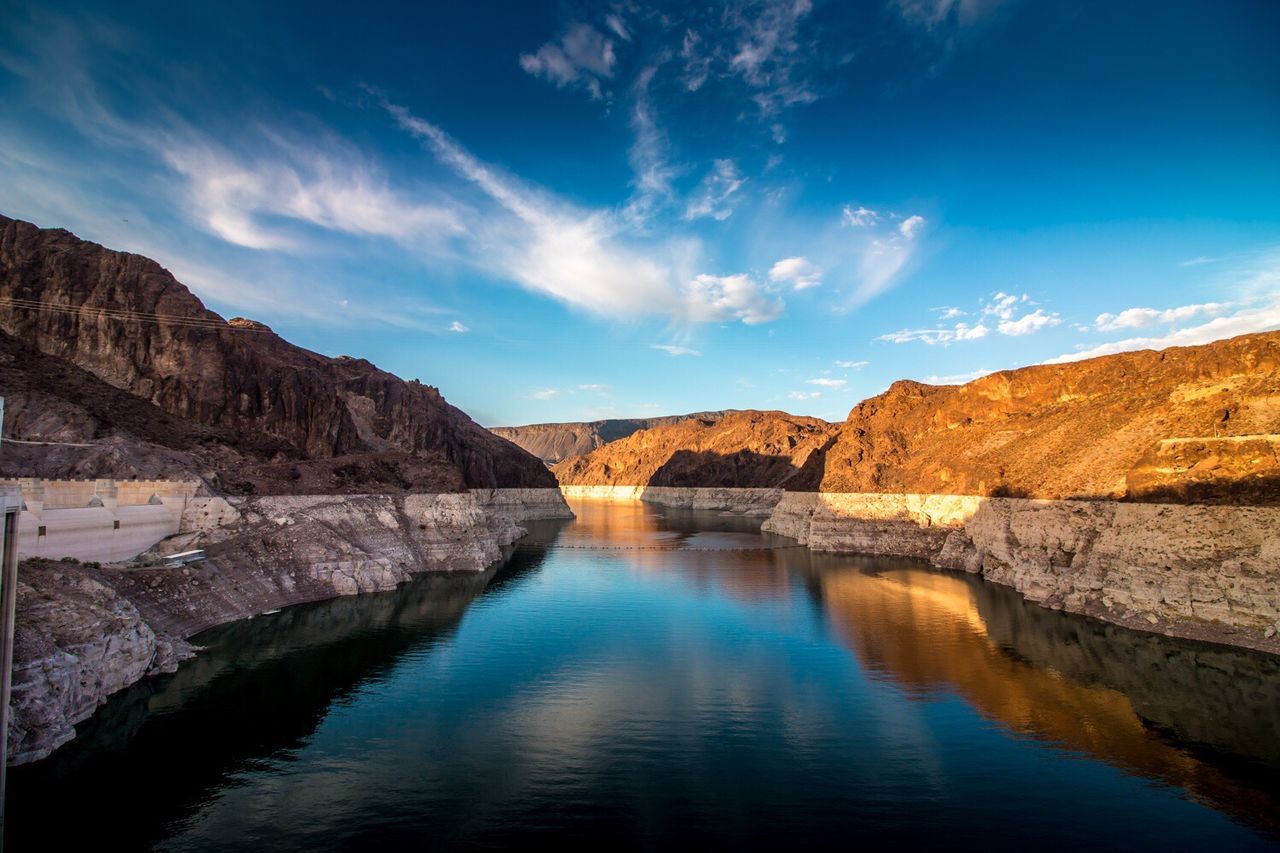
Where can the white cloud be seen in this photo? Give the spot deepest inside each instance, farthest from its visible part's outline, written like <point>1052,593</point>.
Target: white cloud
<point>713,194</point>
<point>1197,261</point>
<point>1028,324</point>
<point>852,365</point>
<point>805,395</point>
<point>828,383</point>
<point>1257,318</point>
<point>957,378</point>
<point>672,349</point>
<point>618,26</point>
<point>582,57</point>
<point>946,14</point>
<point>801,272</point>
<point>649,156</point>
<point>332,190</point>
<point>860,217</point>
<point>768,54</point>
<point>960,332</point>
<point>545,394</point>
<point>1137,318</point>
<point>578,256</point>
<point>885,256</point>
<point>911,226</point>
<point>1002,309</point>
<point>455,326</point>
<point>697,64</point>
<point>712,298</point>
<point>596,387</point>
<point>1005,306</point>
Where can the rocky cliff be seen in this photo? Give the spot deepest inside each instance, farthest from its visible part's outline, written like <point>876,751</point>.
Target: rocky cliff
<point>553,443</point>
<point>85,632</point>
<point>237,403</point>
<point>748,449</point>
<point>1203,572</point>
<point>1186,424</point>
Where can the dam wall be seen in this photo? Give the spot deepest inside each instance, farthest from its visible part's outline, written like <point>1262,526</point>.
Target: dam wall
<point>97,520</point>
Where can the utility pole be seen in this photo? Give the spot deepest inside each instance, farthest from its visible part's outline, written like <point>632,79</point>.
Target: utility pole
<point>11,505</point>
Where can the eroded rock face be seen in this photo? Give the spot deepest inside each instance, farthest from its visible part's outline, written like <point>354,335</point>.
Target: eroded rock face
<point>1184,424</point>
<point>741,450</point>
<point>77,641</point>
<point>1206,572</point>
<point>554,443</point>
<point>85,633</point>
<point>133,328</point>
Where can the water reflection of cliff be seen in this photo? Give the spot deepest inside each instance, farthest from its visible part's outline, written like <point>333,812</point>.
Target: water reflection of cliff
<point>260,688</point>
<point>644,534</point>
<point>1204,718</point>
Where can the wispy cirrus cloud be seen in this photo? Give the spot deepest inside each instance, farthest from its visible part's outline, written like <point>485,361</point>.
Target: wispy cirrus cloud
<point>245,201</point>
<point>827,382</point>
<point>580,257</point>
<point>675,350</point>
<point>713,196</point>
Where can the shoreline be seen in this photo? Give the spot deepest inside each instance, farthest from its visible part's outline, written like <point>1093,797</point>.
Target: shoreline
<point>1206,573</point>
<point>85,632</point>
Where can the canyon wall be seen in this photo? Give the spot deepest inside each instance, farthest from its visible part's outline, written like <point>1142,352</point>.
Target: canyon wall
<point>554,443</point>
<point>747,449</point>
<point>251,412</point>
<point>1205,572</point>
<point>1182,425</point>
<point>85,632</point>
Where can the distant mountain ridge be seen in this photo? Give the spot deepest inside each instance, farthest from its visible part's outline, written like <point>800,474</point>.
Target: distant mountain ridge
<point>556,442</point>
<point>107,348</point>
<point>744,449</point>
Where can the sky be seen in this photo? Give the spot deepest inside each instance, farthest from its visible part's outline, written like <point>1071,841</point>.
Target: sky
<point>567,211</point>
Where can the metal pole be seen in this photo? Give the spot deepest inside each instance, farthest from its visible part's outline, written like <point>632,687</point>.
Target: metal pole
<point>8,611</point>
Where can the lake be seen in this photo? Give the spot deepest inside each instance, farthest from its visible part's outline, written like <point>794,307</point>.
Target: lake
<point>644,677</point>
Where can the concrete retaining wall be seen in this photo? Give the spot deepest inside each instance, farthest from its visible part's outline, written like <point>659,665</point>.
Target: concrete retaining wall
<point>754,502</point>
<point>97,520</point>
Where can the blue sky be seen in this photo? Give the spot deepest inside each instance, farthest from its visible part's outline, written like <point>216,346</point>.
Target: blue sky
<point>566,211</point>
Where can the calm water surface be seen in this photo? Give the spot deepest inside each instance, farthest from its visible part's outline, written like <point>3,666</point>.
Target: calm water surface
<point>647,677</point>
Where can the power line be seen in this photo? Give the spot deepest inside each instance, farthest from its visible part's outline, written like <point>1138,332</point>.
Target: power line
<point>48,443</point>
<point>126,314</point>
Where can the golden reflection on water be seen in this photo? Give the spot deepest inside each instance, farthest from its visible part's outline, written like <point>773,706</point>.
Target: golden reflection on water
<point>927,632</point>
<point>930,632</point>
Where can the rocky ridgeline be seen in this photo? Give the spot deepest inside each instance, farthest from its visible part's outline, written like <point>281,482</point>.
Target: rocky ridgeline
<point>132,363</point>
<point>1186,424</point>
<point>554,443</point>
<point>747,449</point>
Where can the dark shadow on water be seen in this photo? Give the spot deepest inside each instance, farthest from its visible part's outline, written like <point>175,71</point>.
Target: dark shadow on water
<point>258,689</point>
